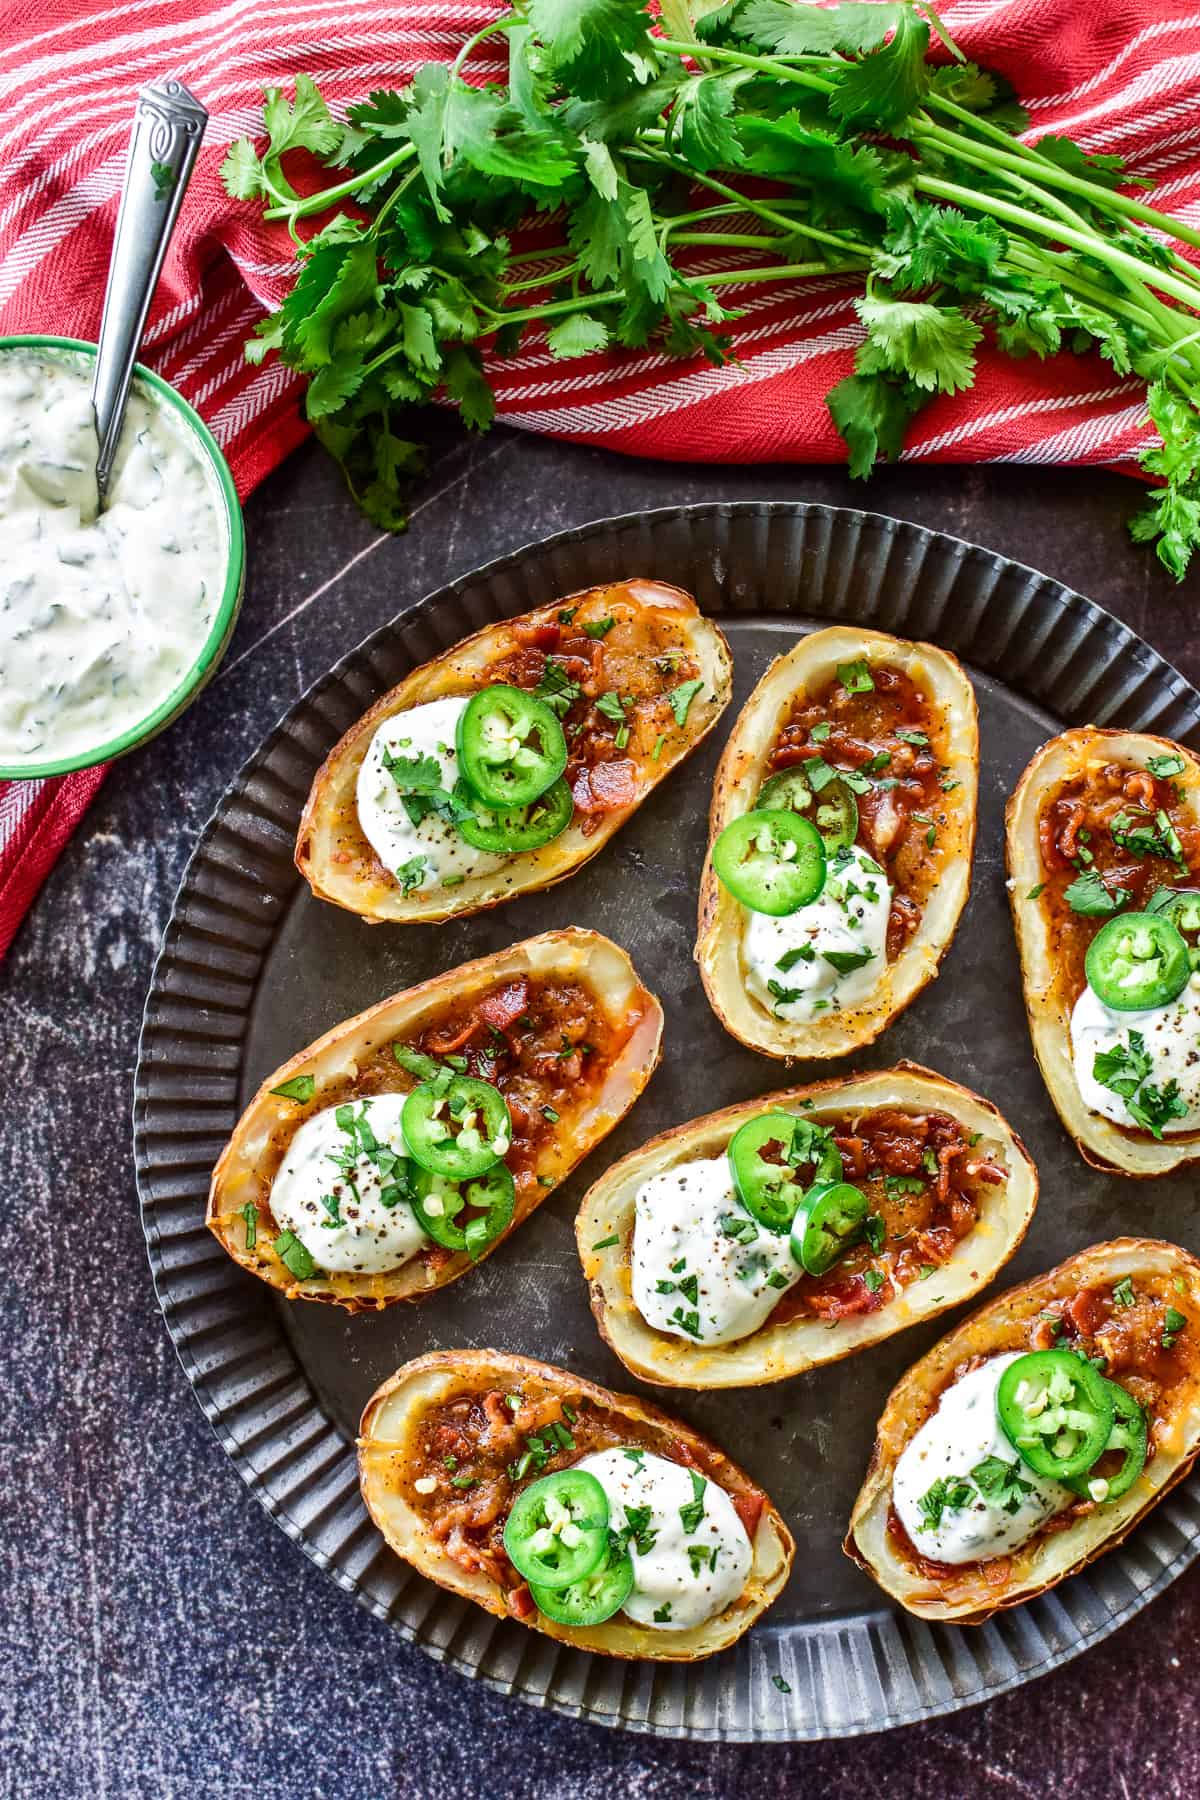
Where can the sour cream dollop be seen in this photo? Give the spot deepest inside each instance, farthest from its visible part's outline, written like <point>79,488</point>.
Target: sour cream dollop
<point>335,1210</point>
<point>699,1257</point>
<point>957,1438</point>
<point>790,955</point>
<point>688,1572</point>
<point>1171,1035</point>
<point>102,615</point>
<point>434,848</point>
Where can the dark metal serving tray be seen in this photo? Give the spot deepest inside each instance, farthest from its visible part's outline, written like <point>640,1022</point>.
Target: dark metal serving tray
<point>252,968</point>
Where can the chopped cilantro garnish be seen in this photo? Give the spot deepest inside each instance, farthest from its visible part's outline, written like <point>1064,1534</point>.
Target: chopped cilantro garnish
<point>300,1087</point>
<point>681,698</point>
<point>855,676</point>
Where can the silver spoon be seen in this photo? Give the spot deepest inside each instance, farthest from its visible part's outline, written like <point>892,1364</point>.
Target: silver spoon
<point>168,125</point>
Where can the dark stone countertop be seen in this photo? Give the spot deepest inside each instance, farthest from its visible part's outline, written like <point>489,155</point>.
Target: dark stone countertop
<point>161,1636</point>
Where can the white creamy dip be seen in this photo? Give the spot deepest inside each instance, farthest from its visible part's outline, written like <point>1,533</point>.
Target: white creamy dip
<point>328,1191</point>
<point>959,1438</point>
<point>1170,1036</point>
<point>692,1556</point>
<point>101,615</point>
<point>787,960</point>
<point>424,852</point>
<point>703,1269</point>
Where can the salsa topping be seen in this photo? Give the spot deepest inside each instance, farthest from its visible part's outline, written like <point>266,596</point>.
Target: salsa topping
<point>862,765</point>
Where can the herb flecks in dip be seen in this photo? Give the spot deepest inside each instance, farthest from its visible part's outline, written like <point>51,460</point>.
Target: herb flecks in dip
<point>102,615</point>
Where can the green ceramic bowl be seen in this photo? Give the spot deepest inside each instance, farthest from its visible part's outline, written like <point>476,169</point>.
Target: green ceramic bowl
<point>213,648</point>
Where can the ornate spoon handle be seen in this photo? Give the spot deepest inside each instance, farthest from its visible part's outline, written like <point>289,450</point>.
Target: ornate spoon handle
<point>167,127</point>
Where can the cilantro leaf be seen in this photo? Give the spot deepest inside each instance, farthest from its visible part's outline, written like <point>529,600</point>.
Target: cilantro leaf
<point>932,346</point>
<point>681,698</point>
<point>702,117</point>
<point>872,413</point>
<point>885,88</point>
<point>1088,895</point>
<point>793,30</point>
<point>579,334</point>
<point>586,41</point>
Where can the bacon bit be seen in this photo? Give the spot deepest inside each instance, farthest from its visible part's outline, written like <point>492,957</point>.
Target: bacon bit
<point>435,1257</point>
<point>520,1115</point>
<point>519,1602</point>
<point>903,920</point>
<point>447,1044</point>
<point>605,788</point>
<point>854,1151</point>
<point>499,1434</point>
<point>1086,1311</point>
<point>749,1508</point>
<point>1068,846</point>
<point>543,634</point>
<point>447,1440</point>
<point>524,668</point>
<point>899,1153</point>
<point>847,1299</point>
<point>502,1008</point>
<point>945,1156</point>
<point>841,747</point>
<point>683,1453</point>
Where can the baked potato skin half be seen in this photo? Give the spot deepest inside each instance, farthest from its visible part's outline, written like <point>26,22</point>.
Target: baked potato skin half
<point>1100,1142</point>
<point>651,619</point>
<point>808,668</point>
<point>972,1593</point>
<point>777,1351</point>
<point>336,1061</point>
<point>392,1417</point>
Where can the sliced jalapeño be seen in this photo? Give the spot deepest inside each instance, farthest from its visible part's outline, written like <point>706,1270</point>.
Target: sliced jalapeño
<point>467,1215</point>
<point>557,1530</point>
<point>457,1128</point>
<point>828,1220</point>
<point>1137,962</point>
<point>1056,1411</point>
<point>511,747</point>
<point>773,861</point>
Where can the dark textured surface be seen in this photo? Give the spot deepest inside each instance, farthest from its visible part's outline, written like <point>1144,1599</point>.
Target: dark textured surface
<point>161,1635</point>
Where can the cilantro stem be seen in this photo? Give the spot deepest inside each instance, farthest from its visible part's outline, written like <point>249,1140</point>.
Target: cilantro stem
<point>791,226</point>
<point>1087,242</point>
<point>543,280</point>
<point>504,23</point>
<point>327,197</point>
<point>765,65</point>
<point>1015,151</point>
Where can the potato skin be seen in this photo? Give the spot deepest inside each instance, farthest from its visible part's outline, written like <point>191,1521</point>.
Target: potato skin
<point>742,770</point>
<point>1101,1143</point>
<point>776,1352</point>
<point>970,1598</point>
<point>246,1165</point>
<point>391,1415</point>
<point>334,856</point>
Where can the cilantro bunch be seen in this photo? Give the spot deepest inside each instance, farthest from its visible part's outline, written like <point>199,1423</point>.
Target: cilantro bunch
<point>793,141</point>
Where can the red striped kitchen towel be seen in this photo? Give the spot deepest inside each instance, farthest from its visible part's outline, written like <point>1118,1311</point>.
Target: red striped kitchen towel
<point>1119,75</point>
